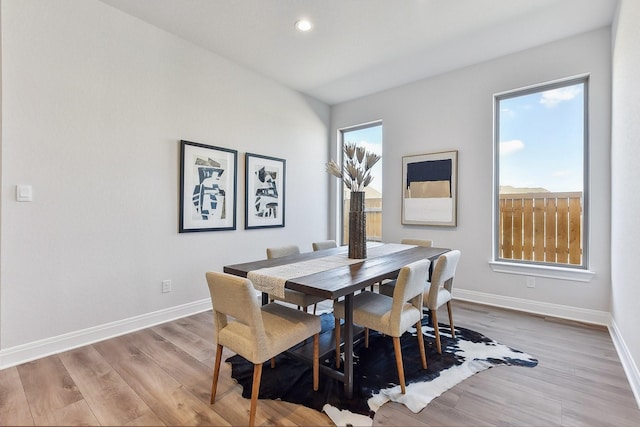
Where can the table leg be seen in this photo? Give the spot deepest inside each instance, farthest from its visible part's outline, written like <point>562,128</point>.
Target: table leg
<point>348,346</point>
<point>265,298</point>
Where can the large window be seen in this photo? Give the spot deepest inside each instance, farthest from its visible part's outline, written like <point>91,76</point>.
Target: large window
<point>370,136</point>
<point>541,174</point>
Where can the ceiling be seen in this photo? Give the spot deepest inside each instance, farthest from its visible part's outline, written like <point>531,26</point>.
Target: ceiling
<point>359,47</point>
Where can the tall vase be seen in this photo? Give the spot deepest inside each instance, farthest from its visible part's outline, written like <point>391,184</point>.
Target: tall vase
<point>357,226</point>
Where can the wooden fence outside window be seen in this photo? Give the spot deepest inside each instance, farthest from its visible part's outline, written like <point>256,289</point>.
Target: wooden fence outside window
<point>373,209</point>
<point>543,227</point>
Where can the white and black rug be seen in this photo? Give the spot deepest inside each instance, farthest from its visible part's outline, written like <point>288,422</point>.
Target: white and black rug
<point>375,374</point>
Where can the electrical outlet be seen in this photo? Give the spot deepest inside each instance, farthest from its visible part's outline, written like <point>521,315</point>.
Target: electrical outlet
<point>166,286</point>
<point>531,282</point>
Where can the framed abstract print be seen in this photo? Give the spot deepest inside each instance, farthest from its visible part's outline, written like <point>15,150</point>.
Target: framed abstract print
<point>429,189</point>
<point>265,191</point>
<point>208,185</point>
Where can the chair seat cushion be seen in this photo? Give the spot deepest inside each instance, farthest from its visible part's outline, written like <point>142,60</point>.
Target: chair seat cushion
<point>298,298</point>
<point>443,297</point>
<point>373,311</point>
<point>288,325</point>
<point>284,328</point>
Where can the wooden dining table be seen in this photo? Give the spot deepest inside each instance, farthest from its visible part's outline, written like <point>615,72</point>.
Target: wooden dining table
<point>332,282</point>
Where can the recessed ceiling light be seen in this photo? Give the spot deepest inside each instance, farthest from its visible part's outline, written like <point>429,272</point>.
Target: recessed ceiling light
<point>304,25</point>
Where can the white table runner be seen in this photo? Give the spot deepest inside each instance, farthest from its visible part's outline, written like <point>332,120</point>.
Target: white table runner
<point>272,279</point>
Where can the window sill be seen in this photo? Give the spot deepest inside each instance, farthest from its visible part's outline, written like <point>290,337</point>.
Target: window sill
<point>551,272</point>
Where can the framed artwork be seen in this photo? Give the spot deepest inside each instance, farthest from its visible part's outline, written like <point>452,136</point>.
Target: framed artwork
<point>208,184</point>
<point>264,197</point>
<point>429,189</point>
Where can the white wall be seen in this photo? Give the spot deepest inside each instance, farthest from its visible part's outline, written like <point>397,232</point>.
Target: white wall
<point>454,111</point>
<point>625,199</point>
<point>94,105</point>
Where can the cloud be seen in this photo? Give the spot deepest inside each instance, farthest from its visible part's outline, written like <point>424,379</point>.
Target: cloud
<point>371,147</point>
<point>508,147</point>
<point>507,112</point>
<point>561,173</point>
<point>551,98</point>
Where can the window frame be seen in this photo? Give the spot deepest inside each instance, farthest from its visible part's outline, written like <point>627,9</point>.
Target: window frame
<point>531,267</point>
<point>340,220</point>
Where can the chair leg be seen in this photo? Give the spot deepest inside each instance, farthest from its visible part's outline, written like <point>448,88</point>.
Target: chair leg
<point>255,391</point>
<point>398,352</point>
<point>216,373</point>
<point>315,306</point>
<point>434,320</point>
<point>453,332</point>
<point>316,362</point>
<point>336,333</point>
<point>423,355</point>
<point>366,337</point>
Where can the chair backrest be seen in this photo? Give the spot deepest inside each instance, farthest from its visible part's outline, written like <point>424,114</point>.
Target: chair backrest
<point>282,251</point>
<point>233,296</point>
<point>324,244</point>
<point>418,242</point>
<point>442,276</point>
<point>409,287</point>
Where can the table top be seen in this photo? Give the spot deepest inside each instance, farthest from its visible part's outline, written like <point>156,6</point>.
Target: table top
<point>343,280</point>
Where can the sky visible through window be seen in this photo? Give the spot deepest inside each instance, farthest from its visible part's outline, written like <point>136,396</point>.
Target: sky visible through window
<point>542,140</point>
<point>371,138</point>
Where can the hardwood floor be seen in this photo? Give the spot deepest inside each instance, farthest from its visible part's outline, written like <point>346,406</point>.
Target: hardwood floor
<point>579,380</point>
<point>162,376</point>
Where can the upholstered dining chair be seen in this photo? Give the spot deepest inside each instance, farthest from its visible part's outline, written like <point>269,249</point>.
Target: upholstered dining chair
<point>257,333</point>
<point>438,291</point>
<point>418,242</point>
<point>386,287</point>
<point>324,244</point>
<point>300,299</point>
<point>390,315</point>
<point>281,251</point>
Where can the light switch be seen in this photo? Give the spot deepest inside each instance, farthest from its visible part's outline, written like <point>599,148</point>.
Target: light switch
<point>24,193</point>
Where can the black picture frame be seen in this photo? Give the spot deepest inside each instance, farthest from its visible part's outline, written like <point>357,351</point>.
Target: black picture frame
<point>264,191</point>
<point>430,189</point>
<point>208,187</point>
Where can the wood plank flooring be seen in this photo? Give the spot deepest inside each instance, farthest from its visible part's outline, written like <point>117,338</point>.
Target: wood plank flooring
<point>162,376</point>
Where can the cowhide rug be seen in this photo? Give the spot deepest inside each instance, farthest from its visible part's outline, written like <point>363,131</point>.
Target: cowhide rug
<point>375,374</point>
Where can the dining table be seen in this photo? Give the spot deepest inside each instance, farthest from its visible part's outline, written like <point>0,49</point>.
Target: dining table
<point>330,274</point>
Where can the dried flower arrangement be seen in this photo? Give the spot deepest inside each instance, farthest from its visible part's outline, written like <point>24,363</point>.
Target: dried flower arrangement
<point>356,171</point>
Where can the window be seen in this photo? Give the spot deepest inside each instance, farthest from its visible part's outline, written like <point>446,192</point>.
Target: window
<point>541,175</point>
<point>369,135</point>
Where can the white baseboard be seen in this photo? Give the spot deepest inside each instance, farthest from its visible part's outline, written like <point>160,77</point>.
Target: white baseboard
<point>544,308</point>
<point>35,350</point>
<point>628,364</point>
<point>27,352</point>
<point>564,312</point>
